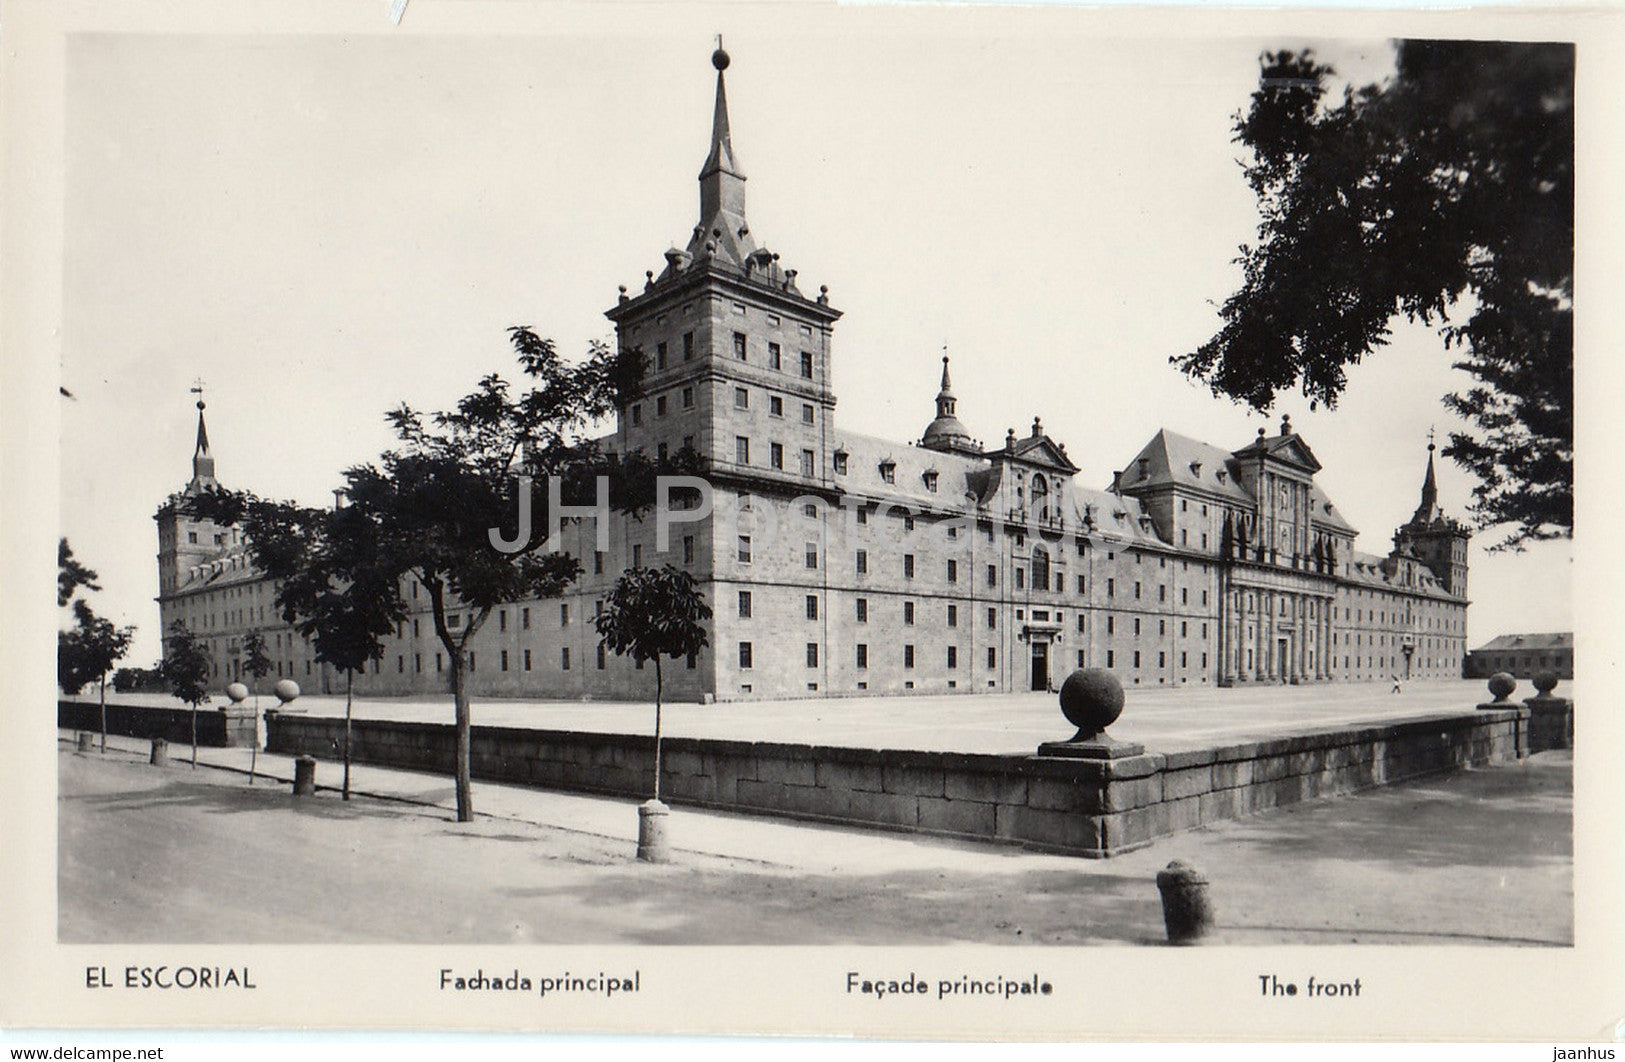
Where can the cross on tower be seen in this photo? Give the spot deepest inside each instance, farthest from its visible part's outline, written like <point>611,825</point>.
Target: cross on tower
<point>197,389</point>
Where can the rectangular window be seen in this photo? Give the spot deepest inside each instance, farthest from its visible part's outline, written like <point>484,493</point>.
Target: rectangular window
<point>564,658</point>
<point>688,398</point>
<point>806,365</point>
<point>502,664</point>
<point>953,656</point>
<point>688,549</point>
<point>1021,578</point>
<point>992,657</point>
<point>807,414</point>
<point>739,345</point>
<point>1111,658</point>
<point>840,470</point>
<point>598,562</point>
<point>637,555</point>
<point>1136,626</point>
<point>807,459</point>
<point>524,618</point>
<point>775,455</point>
<point>863,610</point>
<point>688,346</point>
<point>527,659</point>
<point>744,549</point>
<point>744,604</point>
<point>992,618</point>
<point>660,406</point>
<point>812,554</point>
<point>775,356</point>
<point>603,656</point>
<point>775,406</point>
<point>1111,587</point>
<point>863,562</point>
<point>741,450</point>
<point>908,613</point>
<point>744,656</point>
<point>502,619</point>
<point>908,565</point>
<point>953,571</point>
<point>908,656</point>
<point>812,606</point>
<point>1162,592</point>
<point>992,575</point>
<point>741,398</point>
<point>863,655</point>
<point>812,654</point>
<point>1111,624</point>
<point>953,615</point>
<point>660,355</point>
<point>637,415</point>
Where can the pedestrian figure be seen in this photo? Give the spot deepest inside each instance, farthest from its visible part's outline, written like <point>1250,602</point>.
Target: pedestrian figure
<point>1396,683</point>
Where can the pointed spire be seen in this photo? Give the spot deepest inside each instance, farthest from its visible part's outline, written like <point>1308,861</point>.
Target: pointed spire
<point>202,458</point>
<point>945,397</point>
<point>1428,510</point>
<point>722,183</point>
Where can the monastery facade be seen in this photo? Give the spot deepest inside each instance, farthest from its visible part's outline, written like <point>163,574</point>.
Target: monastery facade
<point>842,564</point>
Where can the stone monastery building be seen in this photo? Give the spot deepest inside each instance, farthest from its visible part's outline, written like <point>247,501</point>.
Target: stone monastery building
<point>843,564</point>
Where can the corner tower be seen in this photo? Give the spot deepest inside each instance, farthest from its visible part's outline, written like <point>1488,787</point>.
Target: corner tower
<point>183,540</point>
<point>1436,540</point>
<point>738,359</point>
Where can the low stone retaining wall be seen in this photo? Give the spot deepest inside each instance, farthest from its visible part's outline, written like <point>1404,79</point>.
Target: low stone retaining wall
<point>217,727</point>
<point>1093,808</point>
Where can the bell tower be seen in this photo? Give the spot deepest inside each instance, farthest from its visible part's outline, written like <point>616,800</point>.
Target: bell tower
<point>1436,540</point>
<point>737,358</point>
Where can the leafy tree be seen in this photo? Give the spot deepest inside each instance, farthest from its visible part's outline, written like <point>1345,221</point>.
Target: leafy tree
<point>87,652</point>
<point>71,576</point>
<point>186,669</point>
<point>651,613</point>
<point>424,512</point>
<point>256,664</point>
<point>1449,187</point>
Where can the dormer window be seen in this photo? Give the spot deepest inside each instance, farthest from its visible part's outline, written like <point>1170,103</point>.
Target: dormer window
<point>930,481</point>
<point>1221,474</point>
<point>1196,468</point>
<point>840,462</point>
<point>888,471</point>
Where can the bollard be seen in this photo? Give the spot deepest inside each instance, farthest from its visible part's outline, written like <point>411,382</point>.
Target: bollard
<point>652,844</point>
<point>160,752</point>
<point>304,775</point>
<point>1186,911</point>
<point>87,741</point>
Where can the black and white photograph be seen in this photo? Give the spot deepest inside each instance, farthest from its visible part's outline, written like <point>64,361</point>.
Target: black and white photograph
<point>897,521</point>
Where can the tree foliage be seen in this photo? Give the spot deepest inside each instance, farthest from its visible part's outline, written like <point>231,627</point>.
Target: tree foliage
<point>653,613</point>
<point>424,512</point>
<point>71,576</point>
<point>256,659</point>
<point>87,652</point>
<point>1448,188</point>
<point>186,670</point>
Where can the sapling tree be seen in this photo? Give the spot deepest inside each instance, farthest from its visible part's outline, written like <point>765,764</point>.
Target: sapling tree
<point>650,614</point>
<point>186,670</point>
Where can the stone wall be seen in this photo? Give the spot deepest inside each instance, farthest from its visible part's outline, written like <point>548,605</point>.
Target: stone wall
<point>172,724</point>
<point>1094,808</point>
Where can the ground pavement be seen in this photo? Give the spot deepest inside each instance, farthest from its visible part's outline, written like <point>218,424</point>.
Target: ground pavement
<point>177,854</point>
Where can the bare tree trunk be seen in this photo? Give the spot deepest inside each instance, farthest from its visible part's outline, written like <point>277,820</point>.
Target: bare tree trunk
<point>254,747</point>
<point>104,713</point>
<point>349,687</point>
<point>459,693</point>
<point>659,688</point>
<point>194,735</point>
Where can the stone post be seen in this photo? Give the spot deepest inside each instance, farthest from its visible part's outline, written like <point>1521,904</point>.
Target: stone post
<point>1551,719</point>
<point>1187,912</point>
<point>160,752</point>
<point>653,847</point>
<point>304,775</point>
<point>87,741</point>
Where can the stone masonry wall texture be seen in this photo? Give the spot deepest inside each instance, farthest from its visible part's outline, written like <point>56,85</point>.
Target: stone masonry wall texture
<point>1091,808</point>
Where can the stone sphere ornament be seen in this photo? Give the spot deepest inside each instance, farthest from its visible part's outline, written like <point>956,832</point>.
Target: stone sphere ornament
<point>1091,700</point>
<point>1502,684</point>
<point>237,692</point>
<point>287,690</point>
<point>1545,683</point>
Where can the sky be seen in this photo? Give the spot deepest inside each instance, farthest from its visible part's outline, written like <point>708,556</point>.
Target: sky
<point>322,227</point>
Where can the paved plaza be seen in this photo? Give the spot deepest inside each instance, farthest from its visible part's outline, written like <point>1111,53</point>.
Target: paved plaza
<point>1161,719</point>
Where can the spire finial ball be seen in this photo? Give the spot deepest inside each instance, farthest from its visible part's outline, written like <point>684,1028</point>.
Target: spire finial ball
<point>719,59</point>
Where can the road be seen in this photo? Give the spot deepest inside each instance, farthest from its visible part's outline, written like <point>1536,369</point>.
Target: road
<point>179,855</point>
